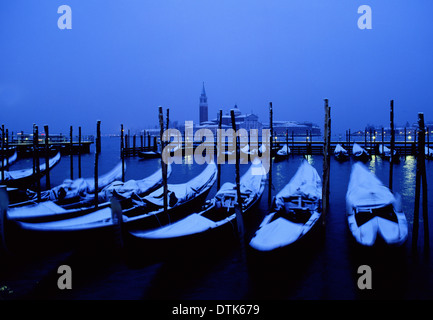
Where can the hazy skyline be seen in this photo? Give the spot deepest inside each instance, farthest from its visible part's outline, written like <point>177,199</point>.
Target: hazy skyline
<point>121,60</point>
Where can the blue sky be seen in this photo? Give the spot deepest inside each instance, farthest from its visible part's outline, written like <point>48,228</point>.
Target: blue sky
<point>123,59</point>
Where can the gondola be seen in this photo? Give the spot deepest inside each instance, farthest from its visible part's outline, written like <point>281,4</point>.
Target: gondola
<point>217,214</point>
<point>51,210</point>
<point>10,160</point>
<point>149,154</point>
<point>282,153</point>
<point>340,153</point>
<point>373,211</point>
<point>359,153</point>
<point>295,211</point>
<point>71,191</point>
<point>142,212</point>
<point>23,177</point>
<point>385,153</point>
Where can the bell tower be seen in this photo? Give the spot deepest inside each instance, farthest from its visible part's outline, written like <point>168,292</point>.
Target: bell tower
<point>203,106</point>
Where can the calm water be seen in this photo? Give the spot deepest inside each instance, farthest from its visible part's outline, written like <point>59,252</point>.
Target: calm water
<point>323,268</point>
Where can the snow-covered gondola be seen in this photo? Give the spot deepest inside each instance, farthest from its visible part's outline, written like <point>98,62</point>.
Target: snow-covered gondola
<point>143,212</point>
<point>373,210</point>
<point>216,215</point>
<point>19,178</point>
<point>51,210</point>
<point>340,153</point>
<point>282,153</point>
<point>385,153</point>
<point>75,190</point>
<point>359,153</point>
<point>296,209</point>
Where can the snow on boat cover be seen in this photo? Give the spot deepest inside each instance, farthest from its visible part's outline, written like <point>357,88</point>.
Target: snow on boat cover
<point>78,187</point>
<point>357,149</point>
<point>103,218</point>
<point>284,151</point>
<point>340,149</point>
<point>373,210</point>
<point>251,183</point>
<point>275,233</point>
<point>51,209</point>
<point>26,173</point>
<point>9,161</point>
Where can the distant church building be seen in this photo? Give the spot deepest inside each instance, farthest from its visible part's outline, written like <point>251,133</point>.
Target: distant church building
<point>203,106</point>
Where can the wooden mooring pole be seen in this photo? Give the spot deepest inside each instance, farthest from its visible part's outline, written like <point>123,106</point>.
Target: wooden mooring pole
<point>326,162</point>
<point>238,208</point>
<point>163,165</point>
<point>270,154</point>
<point>47,159</point>
<point>391,159</point>
<point>220,144</point>
<point>420,186</point>
<point>79,152</point>
<point>97,151</point>
<point>37,164</point>
<point>70,153</point>
<point>122,152</point>
<point>4,203</point>
<point>3,151</point>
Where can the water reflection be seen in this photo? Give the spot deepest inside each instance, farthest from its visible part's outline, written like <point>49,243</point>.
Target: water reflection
<point>409,175</point>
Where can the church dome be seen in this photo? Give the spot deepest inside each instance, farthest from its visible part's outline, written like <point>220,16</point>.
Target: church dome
<point>236,110</point>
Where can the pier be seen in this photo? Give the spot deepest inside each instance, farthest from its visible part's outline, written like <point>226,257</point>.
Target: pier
<point>307,147</point>
<point>24,144</point>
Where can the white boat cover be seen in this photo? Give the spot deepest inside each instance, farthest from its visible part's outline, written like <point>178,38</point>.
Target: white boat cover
<point>184,191</point>
<point>340,149</point>
<point>50,208</point>
<point>132,187</point>
<point>306,182</point>
<point>281,232</point>
<point>366,191</point>
<point>358,149</point>
<point>196,222</point>
<point>102,218</point>
<point>25,173</point>
<point>78,187</point>
<point>11,159</point>
<point>284,151</point>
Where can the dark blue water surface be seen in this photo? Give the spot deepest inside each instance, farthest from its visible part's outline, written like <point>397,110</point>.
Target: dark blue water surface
<point>324,267</point>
